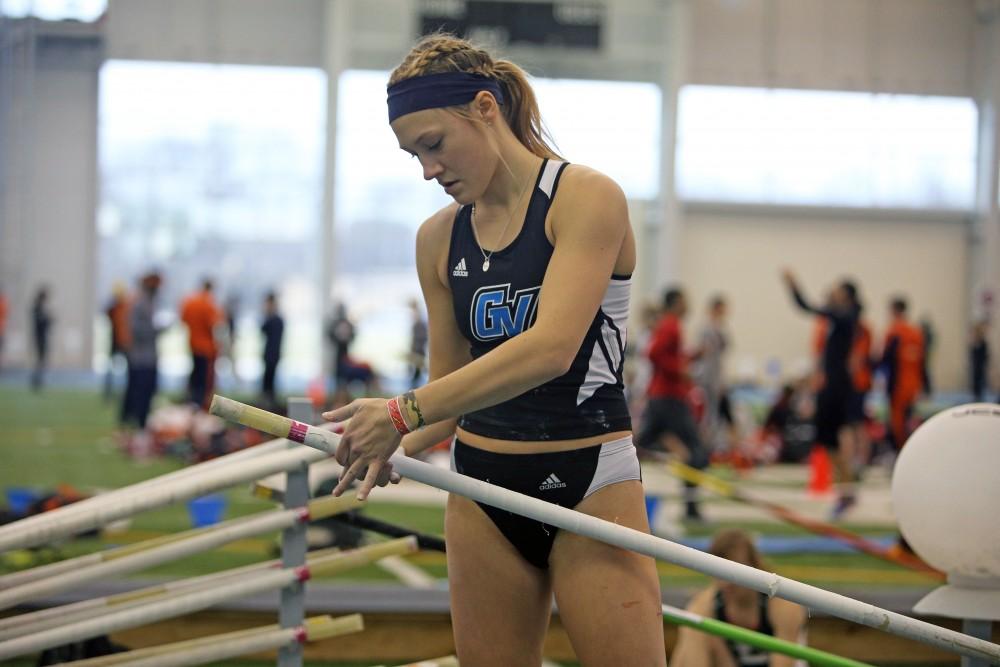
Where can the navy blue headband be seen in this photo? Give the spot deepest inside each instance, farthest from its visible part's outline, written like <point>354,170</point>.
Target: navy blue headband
<point>433,91</point>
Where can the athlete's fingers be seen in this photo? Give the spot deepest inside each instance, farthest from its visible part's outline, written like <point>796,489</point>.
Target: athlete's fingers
<point>343,453</point>
<point>386,475</point>
<point>342,413</point>
<point>374,468</point>
<point>348,476</point>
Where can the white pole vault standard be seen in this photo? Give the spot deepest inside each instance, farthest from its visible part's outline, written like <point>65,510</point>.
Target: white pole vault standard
<point>231,644</point>
<point>23,534</point>
<point>134,558</point>
<point>88,506</point>
<point>43,619</point>
<point>179,605</point>
<point>627,538</point>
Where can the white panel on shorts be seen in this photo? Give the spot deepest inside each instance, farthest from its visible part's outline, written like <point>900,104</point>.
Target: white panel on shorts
<point>617,462</point>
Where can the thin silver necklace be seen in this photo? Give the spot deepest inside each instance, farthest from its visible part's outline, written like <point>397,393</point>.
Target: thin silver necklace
<point>475,234</point>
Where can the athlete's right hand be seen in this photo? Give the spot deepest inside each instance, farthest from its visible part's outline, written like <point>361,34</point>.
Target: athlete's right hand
<point>369,440</point>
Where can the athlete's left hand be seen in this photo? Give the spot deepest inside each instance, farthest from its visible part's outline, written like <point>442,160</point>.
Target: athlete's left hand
<point>368,441</point>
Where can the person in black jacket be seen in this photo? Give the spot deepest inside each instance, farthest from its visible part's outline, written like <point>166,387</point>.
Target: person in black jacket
<point>841,313</point>
<point>273,330</point>
<point>41,320</point>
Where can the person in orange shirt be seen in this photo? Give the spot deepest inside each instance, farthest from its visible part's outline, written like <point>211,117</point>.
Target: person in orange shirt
<point>118,313</point>
<point>3,322</point>
<point>201,315</point>
<point>860,365</point>
<point>903,361</point>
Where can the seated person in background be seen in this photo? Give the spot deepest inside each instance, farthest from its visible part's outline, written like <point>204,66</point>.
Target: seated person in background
<point>739,606</point>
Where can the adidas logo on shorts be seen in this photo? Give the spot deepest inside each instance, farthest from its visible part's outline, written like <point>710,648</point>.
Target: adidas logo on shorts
<point>460,271</point>
<point>552,482</point>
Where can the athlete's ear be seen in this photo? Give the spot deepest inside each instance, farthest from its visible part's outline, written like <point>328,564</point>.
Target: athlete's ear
<point>485,105</point>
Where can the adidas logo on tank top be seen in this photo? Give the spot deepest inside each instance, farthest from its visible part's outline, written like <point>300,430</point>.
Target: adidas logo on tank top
<point>460,271</point>
<point>552,482</point>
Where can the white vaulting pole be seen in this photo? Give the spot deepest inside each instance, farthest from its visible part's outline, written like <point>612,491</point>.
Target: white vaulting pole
<point>88,506</point>
<point>197,600</point>
<point>43,619</point>
<point>24,533</point>
<point>220,647</point>
<point>134,558</point>
<point>627,538</point>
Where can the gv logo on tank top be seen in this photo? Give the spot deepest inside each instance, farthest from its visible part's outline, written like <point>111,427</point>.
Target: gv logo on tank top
<point>498,314</point>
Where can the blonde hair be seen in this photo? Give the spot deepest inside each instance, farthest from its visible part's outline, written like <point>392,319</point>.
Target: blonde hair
<point>442,52</point>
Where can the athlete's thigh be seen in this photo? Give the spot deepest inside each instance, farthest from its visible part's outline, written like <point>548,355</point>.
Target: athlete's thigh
<point>609,598</point>
<point>500,604</point>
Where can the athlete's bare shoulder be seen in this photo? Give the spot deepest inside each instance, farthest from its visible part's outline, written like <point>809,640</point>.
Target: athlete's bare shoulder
<point>586,183</point>
<point>587,194</point>
<point>434,239</point>
<point>437,227</point>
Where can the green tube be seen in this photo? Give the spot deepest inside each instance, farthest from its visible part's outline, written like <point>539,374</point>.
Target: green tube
<point>768,643</point>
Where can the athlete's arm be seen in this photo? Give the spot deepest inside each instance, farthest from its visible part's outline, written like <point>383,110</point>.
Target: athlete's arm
<point>788,620</point>
<point>695,648</point>
<point>448,349</point>
<point>797,296</point>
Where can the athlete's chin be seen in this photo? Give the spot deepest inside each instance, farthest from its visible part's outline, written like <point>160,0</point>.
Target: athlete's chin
<point>462,198</point>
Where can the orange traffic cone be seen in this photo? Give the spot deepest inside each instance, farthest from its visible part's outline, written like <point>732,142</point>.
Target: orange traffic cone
<point>820,472</point>
<point>317,393</point>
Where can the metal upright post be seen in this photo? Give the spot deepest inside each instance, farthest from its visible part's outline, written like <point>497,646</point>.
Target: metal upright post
<point>980,629</point>
<point>293,542</point>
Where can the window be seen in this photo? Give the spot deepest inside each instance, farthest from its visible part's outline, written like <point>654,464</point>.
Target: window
<point>216,171</point>
<point>805,147</point>
<point>54,10</point>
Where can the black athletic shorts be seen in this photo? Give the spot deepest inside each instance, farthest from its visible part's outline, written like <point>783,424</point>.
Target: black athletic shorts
<point>562,478</point>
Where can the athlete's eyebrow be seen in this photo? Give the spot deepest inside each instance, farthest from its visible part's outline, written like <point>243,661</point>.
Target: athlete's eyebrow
<point>418,139</point>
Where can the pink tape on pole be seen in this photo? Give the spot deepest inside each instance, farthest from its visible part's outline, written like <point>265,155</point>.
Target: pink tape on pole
<point>297,431</point>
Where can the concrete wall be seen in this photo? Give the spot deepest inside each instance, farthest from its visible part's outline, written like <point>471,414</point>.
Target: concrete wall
<point>741,255</point>
<point>48,233</point>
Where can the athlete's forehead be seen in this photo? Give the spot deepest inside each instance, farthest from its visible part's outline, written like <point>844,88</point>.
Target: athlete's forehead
<point>414,127</point>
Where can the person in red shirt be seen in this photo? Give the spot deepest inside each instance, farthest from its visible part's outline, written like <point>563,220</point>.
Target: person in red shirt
<point>201,315</point>
<point>903,361</point>
<point>668,422</point>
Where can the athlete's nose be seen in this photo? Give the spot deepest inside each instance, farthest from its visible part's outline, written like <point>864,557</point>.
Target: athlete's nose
<point>432,169</point>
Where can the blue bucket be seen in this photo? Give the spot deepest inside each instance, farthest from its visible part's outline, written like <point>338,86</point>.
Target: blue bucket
<point>207,510</point>
<point>652,505</point>
<point>19,499</point>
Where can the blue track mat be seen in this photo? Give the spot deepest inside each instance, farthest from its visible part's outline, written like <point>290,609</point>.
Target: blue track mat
<point>778,544</point>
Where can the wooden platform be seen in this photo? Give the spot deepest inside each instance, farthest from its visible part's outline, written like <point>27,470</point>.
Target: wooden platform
<point>404,624</point>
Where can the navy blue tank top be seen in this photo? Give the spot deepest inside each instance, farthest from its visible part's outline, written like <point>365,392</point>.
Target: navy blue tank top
<point>495,305</point>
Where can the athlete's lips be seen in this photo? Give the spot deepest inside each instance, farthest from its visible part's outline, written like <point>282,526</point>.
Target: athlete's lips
<point>448,185</point>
